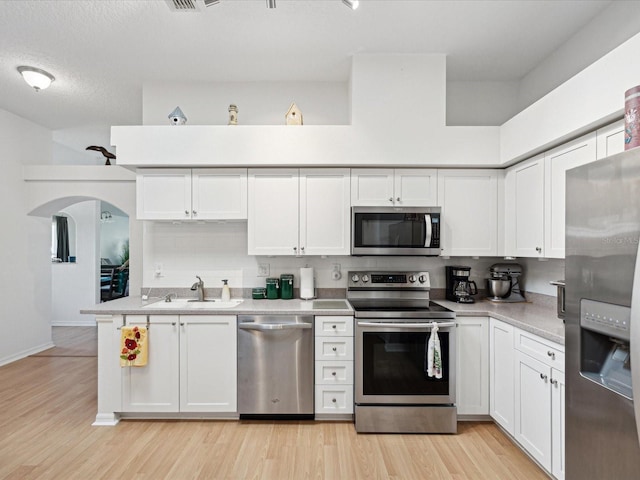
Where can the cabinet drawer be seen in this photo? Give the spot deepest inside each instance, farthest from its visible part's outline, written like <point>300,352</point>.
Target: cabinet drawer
<point>550,353</point>
<point>330,348</point>
<point>335,326</point>
<point>338,399</point>
<point>334,373</point>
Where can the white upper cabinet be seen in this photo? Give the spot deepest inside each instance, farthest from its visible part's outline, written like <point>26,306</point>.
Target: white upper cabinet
<point>524,209</point>
<point>273,211</point>
<point>185,194</point>
<point>557,161</point>
<point>469,201</point>
<point>610,140</point>
<point>219,193</point>
<point>299,212</point>
<point>163,194</point>
<point>324,212</point>
<point>400,187</point>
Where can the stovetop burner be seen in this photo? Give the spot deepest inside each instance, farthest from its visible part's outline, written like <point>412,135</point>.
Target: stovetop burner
<point>393,295</point>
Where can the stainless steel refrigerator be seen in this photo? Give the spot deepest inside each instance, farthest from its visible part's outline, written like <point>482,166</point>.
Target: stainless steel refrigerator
<point>602,334</point>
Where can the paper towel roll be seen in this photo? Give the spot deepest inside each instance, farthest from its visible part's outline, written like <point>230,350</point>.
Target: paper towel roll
<point>307,287</point>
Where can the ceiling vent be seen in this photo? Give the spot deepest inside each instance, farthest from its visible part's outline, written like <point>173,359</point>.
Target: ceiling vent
<point>184,5</point>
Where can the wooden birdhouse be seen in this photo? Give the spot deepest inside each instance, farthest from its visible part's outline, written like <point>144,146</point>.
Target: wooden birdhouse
<point>293,115</point>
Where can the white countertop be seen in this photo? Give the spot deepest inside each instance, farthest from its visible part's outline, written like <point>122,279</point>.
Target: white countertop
<point>137,306</point>
<point>536,318</point>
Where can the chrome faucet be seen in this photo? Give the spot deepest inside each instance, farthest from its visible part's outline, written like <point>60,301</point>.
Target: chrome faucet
<point>167,297</point>
<point>199,286</point>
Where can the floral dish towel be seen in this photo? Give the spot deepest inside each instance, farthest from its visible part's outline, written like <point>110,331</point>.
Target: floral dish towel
<point>133,347</point>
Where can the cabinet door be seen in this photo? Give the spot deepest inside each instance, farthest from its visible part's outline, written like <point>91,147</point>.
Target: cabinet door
<point>533,408</point>
<point>219,193</point>
<point>208,359</point>
<point>610,140</point>
<point>557,162</point>
<point>163,194</point>
<point>469,201</point>
<point>415,187</point>
<point>557,423</point>
<point>501,378</point>
<point>524,209</point>
<point>472,376</point>
<point>154,388</point>
<point>324,212</point>
<point>372,187</point>
<point>272,226</point>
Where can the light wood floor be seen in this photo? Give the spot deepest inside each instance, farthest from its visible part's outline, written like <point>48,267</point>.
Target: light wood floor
<point>47,405</point>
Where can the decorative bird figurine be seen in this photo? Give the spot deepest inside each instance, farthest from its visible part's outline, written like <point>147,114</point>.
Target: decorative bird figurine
<point>108,155</point>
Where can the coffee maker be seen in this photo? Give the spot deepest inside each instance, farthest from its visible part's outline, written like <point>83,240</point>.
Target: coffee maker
<point>459,288</point>
<point>503,286</point>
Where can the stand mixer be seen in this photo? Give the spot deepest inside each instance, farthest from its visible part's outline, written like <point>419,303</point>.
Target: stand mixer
<point>503,286</point>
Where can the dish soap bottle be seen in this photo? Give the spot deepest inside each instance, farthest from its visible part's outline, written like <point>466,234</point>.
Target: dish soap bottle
<point>226,293</point>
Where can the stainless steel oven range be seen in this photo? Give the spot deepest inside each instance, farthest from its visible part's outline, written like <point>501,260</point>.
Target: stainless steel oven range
<point>393,319</point>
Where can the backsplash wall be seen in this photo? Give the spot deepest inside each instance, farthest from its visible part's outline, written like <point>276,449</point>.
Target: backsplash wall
<point>174,253</point>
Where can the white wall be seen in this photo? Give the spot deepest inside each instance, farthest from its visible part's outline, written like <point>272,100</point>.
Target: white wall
<point>216,251</point>
<point>481,103</point>
<point>259,103</point>
<point>75,285</point>
<point>25,277</point>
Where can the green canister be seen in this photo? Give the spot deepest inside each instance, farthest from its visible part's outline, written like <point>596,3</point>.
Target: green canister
<point>286,286</point>
<point>272,288</point>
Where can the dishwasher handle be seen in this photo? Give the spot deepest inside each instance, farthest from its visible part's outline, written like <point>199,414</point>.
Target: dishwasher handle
<point>273,326</point>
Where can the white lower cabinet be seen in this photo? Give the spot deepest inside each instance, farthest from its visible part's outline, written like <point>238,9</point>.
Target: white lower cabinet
<point>191,365</point>
<point>501,366</point>
<point>557,423</point>
<point>472,358</point>
<point>333,365</point>
<point>539,400</point>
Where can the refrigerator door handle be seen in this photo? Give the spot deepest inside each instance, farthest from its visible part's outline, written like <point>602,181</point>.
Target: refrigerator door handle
<point>634,347</point>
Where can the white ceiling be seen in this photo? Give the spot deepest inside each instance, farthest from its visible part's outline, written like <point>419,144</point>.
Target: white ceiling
<point>102,51</point>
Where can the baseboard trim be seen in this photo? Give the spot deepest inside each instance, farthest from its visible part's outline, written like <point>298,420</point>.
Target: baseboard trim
<point>84,323</point>
<point>106,420</point>
<point>25,353</point>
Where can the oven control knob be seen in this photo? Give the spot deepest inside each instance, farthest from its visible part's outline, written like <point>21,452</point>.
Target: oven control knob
<point>355,277</point>
<point>365,278</point>
<point>412,278</point>
<point>422,278</point>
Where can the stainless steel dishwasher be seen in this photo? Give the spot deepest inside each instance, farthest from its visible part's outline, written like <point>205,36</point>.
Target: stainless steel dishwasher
<point>275,366</point>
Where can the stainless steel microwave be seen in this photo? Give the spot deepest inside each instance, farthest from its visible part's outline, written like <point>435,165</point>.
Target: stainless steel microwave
<point>395,231</point>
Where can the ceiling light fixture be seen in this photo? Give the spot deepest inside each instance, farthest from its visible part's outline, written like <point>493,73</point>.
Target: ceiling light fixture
<point>352,4</point>
<point>208,3</point>
<point>271,3</point>
<point>36,78</point>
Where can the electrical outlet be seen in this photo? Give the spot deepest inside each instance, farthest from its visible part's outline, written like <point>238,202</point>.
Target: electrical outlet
<point>263,269</point>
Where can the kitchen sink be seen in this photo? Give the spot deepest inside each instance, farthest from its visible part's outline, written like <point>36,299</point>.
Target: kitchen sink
<point>184,303</point>
<point>330,304</point>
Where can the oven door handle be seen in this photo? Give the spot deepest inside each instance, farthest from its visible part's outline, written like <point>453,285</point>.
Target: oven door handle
<point>400,326</point>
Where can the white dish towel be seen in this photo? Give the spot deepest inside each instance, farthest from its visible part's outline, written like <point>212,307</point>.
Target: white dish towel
<point>434,354</point>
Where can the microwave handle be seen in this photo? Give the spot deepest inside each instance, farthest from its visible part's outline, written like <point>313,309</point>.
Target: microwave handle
<point>429,231</point>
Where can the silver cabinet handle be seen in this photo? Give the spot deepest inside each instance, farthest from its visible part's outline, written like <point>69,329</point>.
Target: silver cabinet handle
<point>539,249</point>
<point>391,199</point>
<point>334,400</point>
<point>335,349</point>
<point>302,249</point>
<point>551,354</point>
<point>398,199</point>
<point>544,377</point>
<point>295,249</point>
<point>334,327</point>
<point>333,373</point>
<point>273,326</point>
<point>554,382</point>
<point>403,326</point>
<point>195,213</point>
<point>186,212</point>
<point>173,324</point>
<point>182,324</point>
